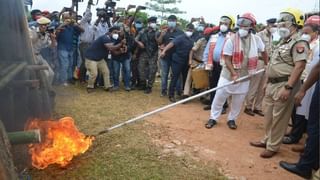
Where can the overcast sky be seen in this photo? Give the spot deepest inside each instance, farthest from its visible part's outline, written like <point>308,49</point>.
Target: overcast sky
<point>211,10</point>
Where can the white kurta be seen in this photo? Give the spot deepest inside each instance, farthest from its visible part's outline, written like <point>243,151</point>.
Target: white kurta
<point>306,101</point>
<point>314,59</point>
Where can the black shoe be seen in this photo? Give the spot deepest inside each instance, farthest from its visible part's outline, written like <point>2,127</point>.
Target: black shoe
<point>90,90</point>
<point>148,90</point>
<point>289,140</point>
<point>206,102</point>
<point>211,123</point>
<point>248,111</point>
<point>207,108</point>
<point>259,112</point>
<point>232,124</point>
<point>163,93</point>
<point>291,167</point>
<point>224,111</point>
<point>172,99</point>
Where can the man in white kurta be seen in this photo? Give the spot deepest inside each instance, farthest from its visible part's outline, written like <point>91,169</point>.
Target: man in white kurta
<point>244,46</point>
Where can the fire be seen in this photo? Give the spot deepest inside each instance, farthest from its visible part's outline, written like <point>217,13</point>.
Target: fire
<point>61,141</point>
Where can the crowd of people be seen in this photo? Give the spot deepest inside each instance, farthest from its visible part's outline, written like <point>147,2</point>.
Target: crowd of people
<point>98,54</point>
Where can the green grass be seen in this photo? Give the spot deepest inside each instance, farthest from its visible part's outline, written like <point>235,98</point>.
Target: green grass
<point>124,153</point>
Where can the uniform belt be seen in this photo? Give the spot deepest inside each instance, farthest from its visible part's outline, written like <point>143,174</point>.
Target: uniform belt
<point>278,79</point>
<point>199,61</point>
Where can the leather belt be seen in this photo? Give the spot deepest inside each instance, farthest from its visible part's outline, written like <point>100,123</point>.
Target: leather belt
<point>278,79</point>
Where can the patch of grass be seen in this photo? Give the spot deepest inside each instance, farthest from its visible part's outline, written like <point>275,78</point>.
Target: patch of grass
<point>124,153</point>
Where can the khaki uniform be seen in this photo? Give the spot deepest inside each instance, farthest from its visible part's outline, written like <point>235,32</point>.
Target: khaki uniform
<point>277,113</point>
<point>255,94</point>
<point>198,50</point>
<point>40,41</point>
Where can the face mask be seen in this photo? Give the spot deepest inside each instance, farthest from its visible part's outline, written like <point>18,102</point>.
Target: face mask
<point>243,32</point>
<point>153,25</point>
<point>273,30</point>
<point>115,36</point>
<point>138,25</point>
<point>189,33</point>
<point>284,32</point>
<point>223,28</point>
<point>172,24</point>
<point>200,28</point>
<point>306,37</point>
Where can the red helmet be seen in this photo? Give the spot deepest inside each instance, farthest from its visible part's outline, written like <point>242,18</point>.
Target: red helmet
<point>313,20</point>
<point>248,16</point>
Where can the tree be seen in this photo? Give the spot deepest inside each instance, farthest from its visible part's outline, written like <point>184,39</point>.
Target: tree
<point>161,6</point>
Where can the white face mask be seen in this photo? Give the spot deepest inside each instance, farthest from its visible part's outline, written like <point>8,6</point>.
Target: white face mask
<point>115,36</point>
<point>189,33</point>
<point>243,32</point>
<point>273,30</point>
<point>153,25</point>
<point>284,32</point>
<point>223,28</point>
<point>306,37</point>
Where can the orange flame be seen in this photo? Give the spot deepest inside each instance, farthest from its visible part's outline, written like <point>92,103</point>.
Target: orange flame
<point>61,141</point>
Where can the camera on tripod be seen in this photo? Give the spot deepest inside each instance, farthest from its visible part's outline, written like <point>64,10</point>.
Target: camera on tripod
<point>109,9</point>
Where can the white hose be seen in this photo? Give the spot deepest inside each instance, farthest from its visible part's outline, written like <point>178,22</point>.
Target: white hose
<point>178,102</point>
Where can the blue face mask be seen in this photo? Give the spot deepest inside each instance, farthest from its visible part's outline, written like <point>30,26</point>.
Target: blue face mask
<point>138,25</point>
<point>200,28</point>
<point>172,24</point>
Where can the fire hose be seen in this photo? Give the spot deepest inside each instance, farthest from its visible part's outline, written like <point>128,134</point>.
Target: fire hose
<point>178,102</point>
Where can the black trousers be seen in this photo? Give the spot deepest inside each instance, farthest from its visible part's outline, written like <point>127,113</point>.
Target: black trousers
<point>310,158</point>
<point>299,126</point>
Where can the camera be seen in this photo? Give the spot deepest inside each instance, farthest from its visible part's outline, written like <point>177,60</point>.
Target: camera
<point>50,29</point>
<point>108,10</point>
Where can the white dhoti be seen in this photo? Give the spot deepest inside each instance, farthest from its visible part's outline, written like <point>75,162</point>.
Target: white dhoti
<point>238,93</point>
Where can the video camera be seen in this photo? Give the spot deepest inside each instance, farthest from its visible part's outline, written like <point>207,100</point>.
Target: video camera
<point>109,9</point>
<point>51,29</point>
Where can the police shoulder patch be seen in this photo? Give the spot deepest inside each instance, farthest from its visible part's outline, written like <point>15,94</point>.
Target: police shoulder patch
<point>300,49</point>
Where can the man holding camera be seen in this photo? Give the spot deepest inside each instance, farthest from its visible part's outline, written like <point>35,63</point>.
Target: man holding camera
<point>86,38</point>
<point>40,39</point>
<point>65,34</point>
<point>95,54</point>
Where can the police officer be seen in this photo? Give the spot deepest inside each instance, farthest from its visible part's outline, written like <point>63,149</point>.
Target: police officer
<point>255,95</point>
<point>148,44</point>
<point>284,70</point>
<point>40,39</point>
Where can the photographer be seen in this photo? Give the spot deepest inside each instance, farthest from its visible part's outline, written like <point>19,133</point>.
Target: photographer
<point>122,57</point>
<point>41,39</point>
<point>65,33</point>
<point>86,38</point>
<point>95,54</point>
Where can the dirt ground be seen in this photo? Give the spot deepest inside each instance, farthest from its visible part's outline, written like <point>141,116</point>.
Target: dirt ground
<point>181,130</point>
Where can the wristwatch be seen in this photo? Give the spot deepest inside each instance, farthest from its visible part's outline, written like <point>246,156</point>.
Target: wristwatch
<point>288,87</point>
